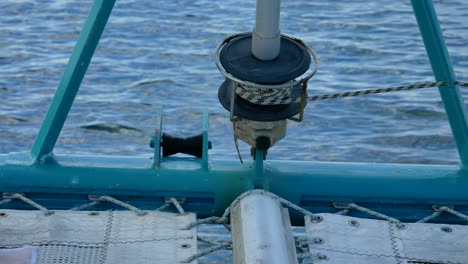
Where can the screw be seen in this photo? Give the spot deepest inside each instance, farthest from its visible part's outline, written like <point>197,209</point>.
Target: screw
<point>446,229</point>
<point>353,223</point>
<point>185,246</point>
<point>318,240</point>
<point>316,219</point>
<point>322,256</point>
<point>49,213</point>
<point>401,226</point>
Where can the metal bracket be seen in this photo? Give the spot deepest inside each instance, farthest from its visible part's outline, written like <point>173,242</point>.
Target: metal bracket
<point>303,103</point>
<point>158,135</point>
<point>157,139</point>
<point>233,99</point>
<point>206,143</point>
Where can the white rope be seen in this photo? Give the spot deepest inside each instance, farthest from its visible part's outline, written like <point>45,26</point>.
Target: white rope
<point>177,205</point>
<point>85,206</point>
<point>208,251</point>
<point>109,199</point>
<point>343,212</point>
<point>30,202</point>
<point>162,207</point>
<point>430,217</point>
<point>280,96</point>
<point>397,222</point>
<point>5,201</point>
<point>236,141</point>
<point>224,218</point>
<point>208,240</point>
<point>451,211</point>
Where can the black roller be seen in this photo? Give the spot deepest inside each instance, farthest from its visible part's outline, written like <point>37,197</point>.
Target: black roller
<point>189,145</point>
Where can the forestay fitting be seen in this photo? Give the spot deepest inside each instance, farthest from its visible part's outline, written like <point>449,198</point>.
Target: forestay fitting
<point>268,65</point>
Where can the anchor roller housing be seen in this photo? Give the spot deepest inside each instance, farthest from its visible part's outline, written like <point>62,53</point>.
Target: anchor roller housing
<point>263,68</point>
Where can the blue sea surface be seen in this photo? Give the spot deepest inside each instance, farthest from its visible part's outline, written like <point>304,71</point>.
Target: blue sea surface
<point>160,54</point>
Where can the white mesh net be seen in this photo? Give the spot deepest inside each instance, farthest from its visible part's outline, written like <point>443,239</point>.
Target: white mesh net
<point>344,239</point>
<point>72,237</point>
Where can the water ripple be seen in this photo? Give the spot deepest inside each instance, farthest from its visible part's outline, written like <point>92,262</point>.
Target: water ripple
<point>156,54</point>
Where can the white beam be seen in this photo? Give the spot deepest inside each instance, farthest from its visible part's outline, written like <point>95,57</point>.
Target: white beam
<point>261,232</point>
<point>266,36</point>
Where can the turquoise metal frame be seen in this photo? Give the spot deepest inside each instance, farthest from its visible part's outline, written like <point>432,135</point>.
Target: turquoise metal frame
<point>209,185</point>
<point>443,71</point>
<point>71,79</point>
<point>65,181</point>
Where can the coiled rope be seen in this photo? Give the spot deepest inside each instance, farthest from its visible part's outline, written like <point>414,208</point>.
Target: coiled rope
<point>278,96</point>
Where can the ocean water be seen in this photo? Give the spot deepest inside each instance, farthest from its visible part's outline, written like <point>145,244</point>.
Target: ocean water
<point>160,54</point>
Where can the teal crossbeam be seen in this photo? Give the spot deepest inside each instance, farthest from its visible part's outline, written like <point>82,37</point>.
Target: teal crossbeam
<point>313,185</point>
<point>443,71</point>
<point>71,79</point>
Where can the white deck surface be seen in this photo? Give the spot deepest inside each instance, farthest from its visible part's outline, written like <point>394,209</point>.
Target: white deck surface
<point>377,241</point>
<point>108,237</point>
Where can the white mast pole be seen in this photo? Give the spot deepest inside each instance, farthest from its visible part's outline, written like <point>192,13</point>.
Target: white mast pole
<point>266,35</point>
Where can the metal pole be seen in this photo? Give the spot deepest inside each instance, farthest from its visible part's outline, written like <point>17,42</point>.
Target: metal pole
<point>259,179</point>
<point>260,233</point>
<point>266,36</point>
<point>206,143</point>
<point>71,79</point>
<point>443,71</point>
